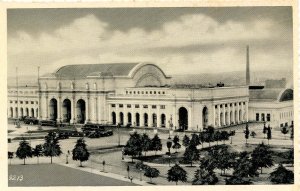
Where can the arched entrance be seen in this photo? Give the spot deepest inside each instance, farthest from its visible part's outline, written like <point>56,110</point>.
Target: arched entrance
<point>137,119</point>
<point>66,111</point>
<point>205,117</point>
<point>129,118</point>
<point>11,112</point>
<point>26,112</point>
<point>32,112</point>
<point>113,116</point>
<point>80,111</point>
<point>16,112</point>
<point>37,113</point>
<point>240,115</point>
<point>121,118</point>
<point>21,112</point>
<point>163,120</point>
<point>183,118</point>
<point>146,120</point>
<point>53,109</point>
<point>154,119</point>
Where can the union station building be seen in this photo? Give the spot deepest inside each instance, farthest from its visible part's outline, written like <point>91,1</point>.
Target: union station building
<point>141,95</point>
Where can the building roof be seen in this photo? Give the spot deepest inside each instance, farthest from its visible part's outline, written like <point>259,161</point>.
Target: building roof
<point>84,70</point>
<point>271,94</point>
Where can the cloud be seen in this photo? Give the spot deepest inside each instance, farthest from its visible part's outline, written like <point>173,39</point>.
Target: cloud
<point>192,44</point>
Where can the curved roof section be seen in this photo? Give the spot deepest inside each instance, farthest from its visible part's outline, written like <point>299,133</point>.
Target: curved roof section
<point>271,94</point>
<point>84,70</point>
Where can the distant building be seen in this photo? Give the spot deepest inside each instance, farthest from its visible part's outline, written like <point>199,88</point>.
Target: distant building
<point>275,83</point>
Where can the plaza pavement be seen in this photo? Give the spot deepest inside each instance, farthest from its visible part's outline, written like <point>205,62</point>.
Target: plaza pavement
<point>115,165</point>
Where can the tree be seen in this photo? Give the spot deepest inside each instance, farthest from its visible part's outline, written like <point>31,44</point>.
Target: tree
<point>235,180</point>
<point>156,144</point>
<point>247,132</point>
<point>186,141</point>
<point>224,136</point>
<point>133,146</point>
<point>176,144</point>
<point>169,145</point>
<point>24,150</point>
<point>264,130</point>
<point>201,138</point>
<point>262,157</point>
<point>191,154</point>
<point>282,175</point>
<point>177,173</point>
<point>217,136</point>
<point>10,156</point>
<point>209,134</point>
<point>195,140</point>
<point>146,143</point>
<point>51,147</point>
<point>80,152</point>
<point>225,159</point>
<point>38,151</point>
<point>244,167</point>
<point>292,131</point>
<point>151,173</point>
<point>269,133</point>
<point>204,176</point>
<point>284,131</point>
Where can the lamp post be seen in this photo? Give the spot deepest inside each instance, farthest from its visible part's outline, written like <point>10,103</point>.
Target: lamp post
<point>67,156</point>
<point>123,153</point>
<point>118,127</point>
<point>141,170</point>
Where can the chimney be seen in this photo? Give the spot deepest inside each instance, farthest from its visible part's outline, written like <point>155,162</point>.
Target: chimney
<point>247,67</point>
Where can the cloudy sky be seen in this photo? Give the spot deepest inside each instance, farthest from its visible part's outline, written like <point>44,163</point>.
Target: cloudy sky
<point>180,40</point>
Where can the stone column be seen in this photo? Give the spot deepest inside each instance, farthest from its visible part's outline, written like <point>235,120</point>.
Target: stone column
<point>242,112</point>
<point>95,118</point>
<point>214,116</point>
<point>47,107</point>
<point>117,114</point>
<point>150,117</point>
<point>238,112</point>
<point>189,118</point>
<point>109,114</point>
<point>87,117</point>
<point>73,114</point>
<point>59,105</point>
<point>158,117</point>
<point>224,116</point>
<point>219,114</point>
<point>125,115</point>
<point>133,117</point>
<point>247,117</point>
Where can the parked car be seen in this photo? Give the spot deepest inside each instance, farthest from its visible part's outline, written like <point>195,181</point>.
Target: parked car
<point>48,123</point>
<point>96,131</point>
<point>31,120</point>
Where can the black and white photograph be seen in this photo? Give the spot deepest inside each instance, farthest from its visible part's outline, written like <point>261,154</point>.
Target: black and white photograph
<point>150,96</point>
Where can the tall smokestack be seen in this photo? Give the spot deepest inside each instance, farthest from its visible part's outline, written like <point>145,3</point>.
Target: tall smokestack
<point>247,67</point>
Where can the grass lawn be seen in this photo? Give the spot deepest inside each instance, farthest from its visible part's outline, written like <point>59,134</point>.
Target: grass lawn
<point>56,175</point>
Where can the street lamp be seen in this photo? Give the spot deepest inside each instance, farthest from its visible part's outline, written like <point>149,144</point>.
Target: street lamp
<point>123,153</point>
<point>118,127</point>
<point>141,170</point>
<point>67,156</point>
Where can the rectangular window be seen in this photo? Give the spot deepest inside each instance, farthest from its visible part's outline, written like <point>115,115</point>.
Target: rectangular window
<point>21,102</point>
<point>10,101</point>
<point>257,116</point>
<point>162,107</point>
<point>16,101</point>
<point>36,102</point>
<point>137,106</point>
<point>113,105</point>
<point>262,117</point>
<point>145,106</point>
<point>268,117</point>
<point>32,102</point>
<point>128,106</point>
<point>153,106</point>
<point>26,102</point>
<point>120,105</point>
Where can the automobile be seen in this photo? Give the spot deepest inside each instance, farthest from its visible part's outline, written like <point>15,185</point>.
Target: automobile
<point>63,135</point>
<point>48,123</point>
<point>96,130</point>
<point>94,135</point>
<point>31,120</point>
